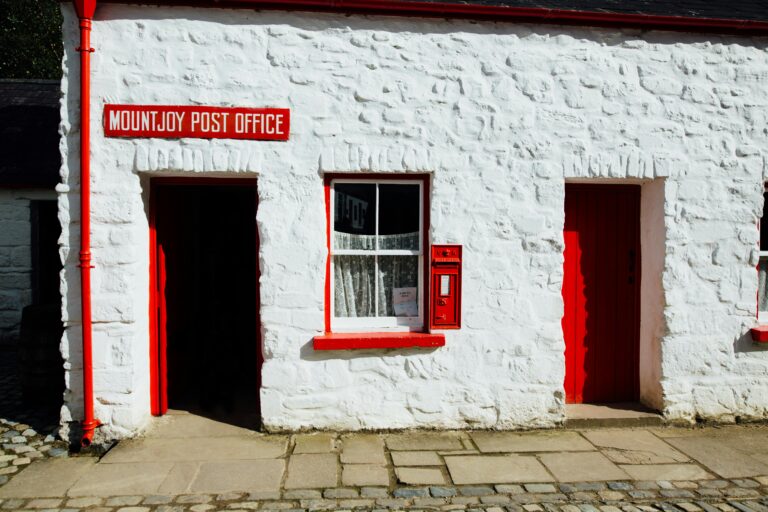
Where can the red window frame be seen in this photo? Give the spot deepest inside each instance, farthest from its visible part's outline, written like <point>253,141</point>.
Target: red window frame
<point>346,340</point>
<point>760,332</point>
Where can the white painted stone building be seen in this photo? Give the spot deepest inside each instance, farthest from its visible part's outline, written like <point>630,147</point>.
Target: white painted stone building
<point>497,121</point>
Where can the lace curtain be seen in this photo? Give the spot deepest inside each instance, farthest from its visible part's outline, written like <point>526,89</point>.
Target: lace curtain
<point>404,241</point>
<point>359,278</point>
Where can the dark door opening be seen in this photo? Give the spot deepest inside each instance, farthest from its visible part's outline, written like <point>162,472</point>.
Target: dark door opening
<point>31,366</point>
<point>601,286</point>
<point>206,260</point>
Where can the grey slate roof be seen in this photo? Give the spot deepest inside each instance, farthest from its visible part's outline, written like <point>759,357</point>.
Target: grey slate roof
<point>29,133</point>
<point>756,10</point>
<point>752,10</point>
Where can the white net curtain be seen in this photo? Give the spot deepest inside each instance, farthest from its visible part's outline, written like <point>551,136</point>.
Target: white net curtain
<point>354,287</point>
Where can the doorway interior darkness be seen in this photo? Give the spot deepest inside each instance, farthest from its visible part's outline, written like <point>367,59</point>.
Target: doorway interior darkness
<point>205,254</point>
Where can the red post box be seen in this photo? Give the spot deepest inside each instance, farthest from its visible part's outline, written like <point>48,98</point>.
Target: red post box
<point>445,293</point>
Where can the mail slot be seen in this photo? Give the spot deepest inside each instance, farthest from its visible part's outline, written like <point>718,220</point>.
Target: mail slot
<point>445,291</point>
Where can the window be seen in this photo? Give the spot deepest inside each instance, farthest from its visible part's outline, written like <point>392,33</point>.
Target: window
<point>377,255</point>
<point>762,266</point>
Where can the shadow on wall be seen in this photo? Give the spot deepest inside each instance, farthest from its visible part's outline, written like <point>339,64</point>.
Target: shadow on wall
<point>308,353</point>
<point>745,344</point>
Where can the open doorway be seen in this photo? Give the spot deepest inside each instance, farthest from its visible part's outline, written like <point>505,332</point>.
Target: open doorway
<point>206,347</point>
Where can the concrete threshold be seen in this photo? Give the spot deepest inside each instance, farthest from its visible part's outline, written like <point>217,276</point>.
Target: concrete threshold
<point>625,414</point>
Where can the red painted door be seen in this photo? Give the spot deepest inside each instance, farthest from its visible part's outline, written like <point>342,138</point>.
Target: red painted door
<point>601,293</point>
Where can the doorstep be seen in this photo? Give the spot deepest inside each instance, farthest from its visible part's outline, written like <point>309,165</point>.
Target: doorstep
<point>628,414</point>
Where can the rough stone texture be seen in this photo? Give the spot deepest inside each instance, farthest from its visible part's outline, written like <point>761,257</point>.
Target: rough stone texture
<point>500,115</point>
<point>16,256</point>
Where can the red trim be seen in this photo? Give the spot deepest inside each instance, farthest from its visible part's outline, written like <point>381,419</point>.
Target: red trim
<point>158,370</point>
<point>491,13</point>
<point>203,122</point>
<point>85,11</point>
<point>327,294</point>
<point>425,179</point>
<point>347,341</point>
<point>760,333</point>
<point>154,288</point>
<point>426,251</point>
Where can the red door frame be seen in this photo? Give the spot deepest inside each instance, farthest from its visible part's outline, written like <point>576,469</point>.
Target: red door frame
<point>158,369</point>
<point>570,293</point>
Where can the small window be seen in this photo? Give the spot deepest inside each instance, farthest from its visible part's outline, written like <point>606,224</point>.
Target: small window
<point>377,255</point>
<point>762,267</point>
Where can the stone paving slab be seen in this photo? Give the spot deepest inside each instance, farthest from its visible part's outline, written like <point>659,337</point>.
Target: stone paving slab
<point>490,442</point>
<point>359,475</point>
<point>416,459</point>
<point>496,469</point>
<point>121,479</point>
<point>582,467</point>
<point>420,476</point>
<point>362,449</point>
<point>425,441</point>
<point>715,454</point>
<point>179,478</point>
<point>312,470</point>
<point>187,426</point>
<point>314,443</point>
<point>634,447</point>
<point>181,450</point>
<point>666,472</point>
<point>230,476</point>
<point>47,478</point>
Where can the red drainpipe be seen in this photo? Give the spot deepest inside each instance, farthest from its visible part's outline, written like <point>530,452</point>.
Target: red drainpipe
<point>85,10</point>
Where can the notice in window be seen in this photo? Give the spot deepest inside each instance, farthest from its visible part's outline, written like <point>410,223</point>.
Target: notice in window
<point>405,301</point>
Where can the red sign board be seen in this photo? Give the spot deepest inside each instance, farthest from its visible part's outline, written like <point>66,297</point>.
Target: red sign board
<point>175,122</point>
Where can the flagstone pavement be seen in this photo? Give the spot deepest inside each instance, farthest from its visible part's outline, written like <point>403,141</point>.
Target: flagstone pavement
<point>190,462</point>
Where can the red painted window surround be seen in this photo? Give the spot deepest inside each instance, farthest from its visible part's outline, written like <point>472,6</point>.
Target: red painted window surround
<point>373,340</point>
<point>356,340</point>
<point>760,334</point>
<point>491,12</point>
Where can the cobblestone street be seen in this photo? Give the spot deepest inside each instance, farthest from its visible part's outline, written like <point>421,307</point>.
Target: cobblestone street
<point>26,428</point>
<point>190,462</point>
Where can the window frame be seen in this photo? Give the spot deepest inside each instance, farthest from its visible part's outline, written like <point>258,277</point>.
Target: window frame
<point>762,316</point>
<point>389,324</point>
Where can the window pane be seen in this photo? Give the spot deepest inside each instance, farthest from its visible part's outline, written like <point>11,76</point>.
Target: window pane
<point>399,217</point>
<point>764,224</point>
<point>353,286</point>
<point>762,287</point>
<point>354,216</point>
<point>398,285</point>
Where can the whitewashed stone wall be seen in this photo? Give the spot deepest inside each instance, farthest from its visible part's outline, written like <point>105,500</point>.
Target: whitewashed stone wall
<point>16,257</point>
<point>500,115</point>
